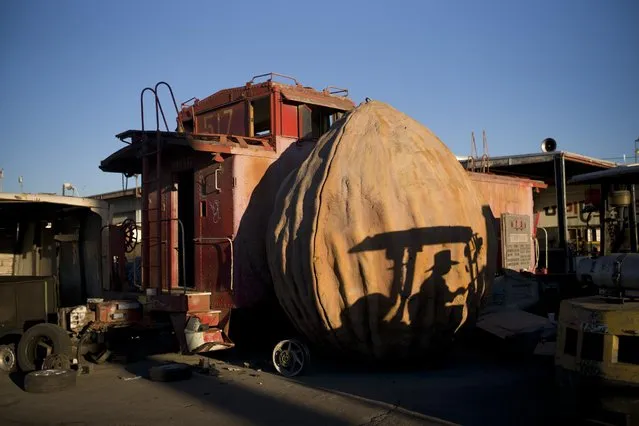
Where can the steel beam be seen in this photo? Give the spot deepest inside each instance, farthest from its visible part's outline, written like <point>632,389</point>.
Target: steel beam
<point>560,187</point>
<point>632,220</point>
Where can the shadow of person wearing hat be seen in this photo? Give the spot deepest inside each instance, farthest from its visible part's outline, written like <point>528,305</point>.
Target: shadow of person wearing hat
<point>433,311</point>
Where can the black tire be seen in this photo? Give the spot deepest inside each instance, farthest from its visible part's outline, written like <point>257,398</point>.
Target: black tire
<point>26,347</point>
<point>46,381</point>
<point>170,372</point>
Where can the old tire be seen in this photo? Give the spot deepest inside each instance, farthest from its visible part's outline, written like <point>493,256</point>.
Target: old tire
<point>170,373</point>
<point>46,381</point>
<point>58,339</point>
<point>8,361</point>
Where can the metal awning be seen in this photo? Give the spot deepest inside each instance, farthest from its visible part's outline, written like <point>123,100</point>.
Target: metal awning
<point>317,98</point>
<point>540,166</point>
<point>628,174</point>
<point>128,160</point>
<point>63,200</point>
<point>125,160</point>
<point>16,206</point>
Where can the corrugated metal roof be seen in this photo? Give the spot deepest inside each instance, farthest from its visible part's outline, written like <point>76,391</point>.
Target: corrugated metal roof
<point>540,165</point>
<point>628,174</point>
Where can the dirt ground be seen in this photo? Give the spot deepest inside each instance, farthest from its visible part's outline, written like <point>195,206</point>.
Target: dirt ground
<point>241,391</point>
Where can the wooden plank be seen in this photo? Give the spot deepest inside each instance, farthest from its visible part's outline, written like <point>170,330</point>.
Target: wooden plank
<point>6,263</point>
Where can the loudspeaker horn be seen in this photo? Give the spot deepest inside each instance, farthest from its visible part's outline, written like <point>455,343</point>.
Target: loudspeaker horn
<point>548,145</point>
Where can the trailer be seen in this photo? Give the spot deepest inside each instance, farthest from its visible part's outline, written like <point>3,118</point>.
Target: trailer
<point>52,268</point>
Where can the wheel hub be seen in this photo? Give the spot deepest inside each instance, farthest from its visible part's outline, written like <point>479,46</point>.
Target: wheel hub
<point>7,358</point>
<point>285,358</point>
<point>56,362</point>
<point>290,357</point>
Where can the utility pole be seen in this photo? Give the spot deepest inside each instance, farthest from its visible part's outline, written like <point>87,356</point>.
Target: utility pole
<point>636,149</point>
<point>1,178</point>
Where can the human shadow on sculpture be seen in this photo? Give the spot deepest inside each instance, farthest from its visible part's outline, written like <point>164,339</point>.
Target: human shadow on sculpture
<point>406,323</point>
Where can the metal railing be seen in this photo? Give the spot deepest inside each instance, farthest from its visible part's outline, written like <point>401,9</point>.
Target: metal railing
<point>182,257</point>
<point>181,254</point>
<point>214,239</point>
<point>158,106</point>
<point>270,76</point>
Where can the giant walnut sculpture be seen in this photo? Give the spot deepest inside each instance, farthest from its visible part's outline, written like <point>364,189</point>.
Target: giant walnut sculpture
<point>378,244</point>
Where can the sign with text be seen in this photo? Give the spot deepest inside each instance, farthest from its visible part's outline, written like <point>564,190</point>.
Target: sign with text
<point>516,241</point>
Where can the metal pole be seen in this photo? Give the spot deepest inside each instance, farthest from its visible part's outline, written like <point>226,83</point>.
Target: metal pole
<point>158,199</point>
<point>146,251</point>
<point>632,220</point>
<point>46,302</point>
<point>560,187</point>
<point>603,208</point>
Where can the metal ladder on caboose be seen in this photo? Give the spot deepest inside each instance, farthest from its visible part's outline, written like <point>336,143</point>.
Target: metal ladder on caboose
<point>156,191</point>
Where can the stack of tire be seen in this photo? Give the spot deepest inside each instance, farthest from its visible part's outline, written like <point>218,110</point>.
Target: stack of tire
<point>53,372</point>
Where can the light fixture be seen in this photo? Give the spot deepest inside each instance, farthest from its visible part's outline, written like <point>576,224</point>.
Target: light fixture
<point>69,187</point>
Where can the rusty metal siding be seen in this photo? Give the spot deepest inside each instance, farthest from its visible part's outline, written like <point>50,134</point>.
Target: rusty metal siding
<point>230,120</point>
<point>213,220</point>
<point>172,228</point>
<point>506,195</point>
<point>313,97</point>
<point>224,97</point>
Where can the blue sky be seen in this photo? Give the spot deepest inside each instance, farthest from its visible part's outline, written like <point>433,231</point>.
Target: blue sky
<point>71,72</point>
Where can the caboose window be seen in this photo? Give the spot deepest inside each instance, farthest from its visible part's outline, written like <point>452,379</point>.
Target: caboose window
<point>261,117</point>
<point>314,121</point>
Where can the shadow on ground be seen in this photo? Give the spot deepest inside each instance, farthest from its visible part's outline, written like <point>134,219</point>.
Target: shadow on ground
<point>221,386</point>
<point>473,388</point>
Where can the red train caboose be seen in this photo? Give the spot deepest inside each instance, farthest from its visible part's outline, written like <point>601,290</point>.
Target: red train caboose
<point>208,189</point>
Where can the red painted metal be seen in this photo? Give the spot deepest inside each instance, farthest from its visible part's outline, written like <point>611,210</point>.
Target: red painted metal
<point>230,120</point>
<point>213,336</point>
<point>222,98</point>
<point>210,318</point>
<point>214,219</point>
<point>117,312</point>
<point>289,120</point>
<point>276,112</point>
<point>181,302</point>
